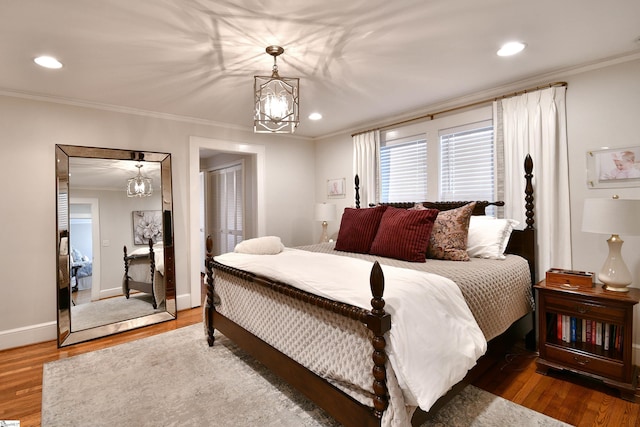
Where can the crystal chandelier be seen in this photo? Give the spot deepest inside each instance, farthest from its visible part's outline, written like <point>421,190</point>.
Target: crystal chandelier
<point>276,100</point>
<point>139,185</point>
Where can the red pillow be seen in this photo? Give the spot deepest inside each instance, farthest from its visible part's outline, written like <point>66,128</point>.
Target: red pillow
<point>358,228</point>
<point>404,234</point>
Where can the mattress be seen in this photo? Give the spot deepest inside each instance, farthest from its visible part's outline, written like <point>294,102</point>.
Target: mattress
<point>498,292</point>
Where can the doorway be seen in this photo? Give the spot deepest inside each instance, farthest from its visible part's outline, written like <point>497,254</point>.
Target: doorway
<point>84,221</point>
<point>200,148</point>
<point>225,207</point>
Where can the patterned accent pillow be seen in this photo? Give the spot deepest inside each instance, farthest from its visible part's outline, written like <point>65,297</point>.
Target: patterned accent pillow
<point>449,236</point>
<point>404,234</point>
<point>358,228</point>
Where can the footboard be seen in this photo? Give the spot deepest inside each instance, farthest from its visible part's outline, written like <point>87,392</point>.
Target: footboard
<point>148,261</point>
<point>340,405</point>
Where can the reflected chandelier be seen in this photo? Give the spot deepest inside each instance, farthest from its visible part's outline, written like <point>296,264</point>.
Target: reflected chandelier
<point>139,185</point>
<point>276,100</point>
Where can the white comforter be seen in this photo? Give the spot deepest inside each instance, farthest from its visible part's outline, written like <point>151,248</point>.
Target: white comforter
<point>434,338</point>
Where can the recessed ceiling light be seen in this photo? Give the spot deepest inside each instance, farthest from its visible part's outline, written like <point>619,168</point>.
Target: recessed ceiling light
<point>511,48</point>
<point>48,62</point>
<point>315,116</point>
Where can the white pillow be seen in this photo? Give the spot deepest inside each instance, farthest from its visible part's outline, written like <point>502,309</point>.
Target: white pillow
<point>488,237</point>
<point>269,245</point>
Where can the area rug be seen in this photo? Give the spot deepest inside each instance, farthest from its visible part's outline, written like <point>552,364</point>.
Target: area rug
<point>111,310</point>
<point>176,379</point>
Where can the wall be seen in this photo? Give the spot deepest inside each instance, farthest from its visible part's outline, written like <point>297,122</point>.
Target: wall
<point>603,106</point>
<point>30,130</point>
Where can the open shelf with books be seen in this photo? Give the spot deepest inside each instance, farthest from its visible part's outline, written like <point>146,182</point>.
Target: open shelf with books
<point>588,331</point>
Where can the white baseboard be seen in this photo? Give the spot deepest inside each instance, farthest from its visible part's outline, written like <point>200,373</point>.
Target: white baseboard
<point>48,331</point>
<point>26,335</point>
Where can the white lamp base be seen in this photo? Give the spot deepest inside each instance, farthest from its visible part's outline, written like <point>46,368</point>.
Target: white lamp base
<point>614,273</point>
<point>324,237</point>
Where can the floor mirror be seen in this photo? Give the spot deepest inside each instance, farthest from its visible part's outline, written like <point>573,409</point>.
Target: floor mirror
<point>115,254</point>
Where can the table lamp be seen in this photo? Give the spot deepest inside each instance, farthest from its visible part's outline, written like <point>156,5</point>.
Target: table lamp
<point>325,212</point>
<point>613,216</point>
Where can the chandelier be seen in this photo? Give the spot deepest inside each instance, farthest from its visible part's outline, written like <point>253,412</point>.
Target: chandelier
<point>276,100</point>
<point>139,185</point>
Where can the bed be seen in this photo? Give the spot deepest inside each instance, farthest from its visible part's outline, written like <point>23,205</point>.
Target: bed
<point>314,327</point>
<point>144,272</point>
<point>81,270</point>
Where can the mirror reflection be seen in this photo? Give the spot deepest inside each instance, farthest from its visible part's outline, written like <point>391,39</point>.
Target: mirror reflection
<point>115,241</point>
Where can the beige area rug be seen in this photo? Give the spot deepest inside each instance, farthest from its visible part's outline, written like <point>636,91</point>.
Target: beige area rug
<point>176,379</point>
<point>111,310</point>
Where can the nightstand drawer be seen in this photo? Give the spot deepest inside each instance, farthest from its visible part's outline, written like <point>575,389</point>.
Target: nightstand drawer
<point>584,309</point>
<point>586,362</point>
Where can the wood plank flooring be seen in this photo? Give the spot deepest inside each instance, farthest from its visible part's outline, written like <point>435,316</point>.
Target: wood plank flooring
<point>565,397</point>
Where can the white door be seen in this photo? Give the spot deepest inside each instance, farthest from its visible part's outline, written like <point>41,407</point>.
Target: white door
<point>226,207</point>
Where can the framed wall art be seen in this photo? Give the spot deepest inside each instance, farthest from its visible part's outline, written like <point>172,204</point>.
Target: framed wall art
<point>147,225</point>
<point>336,188</point>
<point>613,167</point>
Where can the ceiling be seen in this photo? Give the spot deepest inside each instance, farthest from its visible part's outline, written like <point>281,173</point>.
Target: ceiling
<point>106,174</point>
<point>360,61</point>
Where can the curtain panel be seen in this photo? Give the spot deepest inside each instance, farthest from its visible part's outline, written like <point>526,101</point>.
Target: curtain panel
<point>366,164</point>
<point>535,123</point>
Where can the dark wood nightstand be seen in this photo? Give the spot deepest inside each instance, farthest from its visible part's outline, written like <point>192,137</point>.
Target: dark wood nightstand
<point>589,332</point>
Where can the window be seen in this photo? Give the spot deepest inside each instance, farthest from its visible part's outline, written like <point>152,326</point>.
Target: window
<point>467,163</point>
<point>403,170</point>
<point>456,153</point>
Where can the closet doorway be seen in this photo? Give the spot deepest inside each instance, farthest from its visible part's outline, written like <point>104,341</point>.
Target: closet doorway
<point>225,206</point>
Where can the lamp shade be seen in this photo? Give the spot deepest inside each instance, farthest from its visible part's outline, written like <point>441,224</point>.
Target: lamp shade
<point>611,216</point>
<point>325,212</point>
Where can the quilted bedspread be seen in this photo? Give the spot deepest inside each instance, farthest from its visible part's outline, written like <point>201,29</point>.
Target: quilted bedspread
<point>433,342</point>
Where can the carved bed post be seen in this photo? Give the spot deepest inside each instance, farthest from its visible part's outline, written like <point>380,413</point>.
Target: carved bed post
<point>126,273</point>
<point>356,180</point>
<point>381,399</point>
<point>528,191</point>
<point>152,266</point>
<point>209,308</point>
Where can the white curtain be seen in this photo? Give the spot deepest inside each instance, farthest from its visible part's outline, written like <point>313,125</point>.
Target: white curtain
<point>535,123</point>
<point>366,148</point>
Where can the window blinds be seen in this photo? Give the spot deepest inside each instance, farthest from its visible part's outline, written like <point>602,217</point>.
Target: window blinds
<point>467,163</point>
<point>403,171</point>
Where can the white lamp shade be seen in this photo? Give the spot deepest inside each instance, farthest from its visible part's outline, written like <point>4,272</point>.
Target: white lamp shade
<point>325,212</point>
<point>611,216</point>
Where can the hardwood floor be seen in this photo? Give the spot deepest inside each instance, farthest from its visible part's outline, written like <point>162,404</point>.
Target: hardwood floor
<point>561,396</point>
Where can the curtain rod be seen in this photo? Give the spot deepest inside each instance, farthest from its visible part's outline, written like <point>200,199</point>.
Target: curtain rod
<point>473,104</point>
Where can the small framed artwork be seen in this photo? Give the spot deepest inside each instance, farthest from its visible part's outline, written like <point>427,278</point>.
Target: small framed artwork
<point>336,188</point>
<point>147,225</point>
<point>612,168</point>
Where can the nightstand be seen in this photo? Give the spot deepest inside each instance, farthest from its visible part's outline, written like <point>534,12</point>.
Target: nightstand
<point>588,331</point>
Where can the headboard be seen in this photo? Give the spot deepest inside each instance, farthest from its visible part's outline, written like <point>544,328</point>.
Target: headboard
<point>522,242</point>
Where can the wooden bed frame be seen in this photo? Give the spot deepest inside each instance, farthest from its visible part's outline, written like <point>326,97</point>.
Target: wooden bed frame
<point>146,287</point>
<point>341,406</point>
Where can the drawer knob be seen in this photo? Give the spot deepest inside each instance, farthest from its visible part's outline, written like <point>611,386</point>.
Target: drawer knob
<point>581,360</point>
<point>582,309</point>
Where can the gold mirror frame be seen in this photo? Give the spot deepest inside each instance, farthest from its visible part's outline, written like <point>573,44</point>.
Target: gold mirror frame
<point>63,295</point>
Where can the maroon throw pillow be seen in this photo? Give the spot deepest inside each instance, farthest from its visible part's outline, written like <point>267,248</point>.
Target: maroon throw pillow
<point>404,234</point>
<point>358,228</point>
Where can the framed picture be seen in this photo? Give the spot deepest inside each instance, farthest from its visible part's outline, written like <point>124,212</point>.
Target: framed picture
<point>614,167</point>
<point>147,225</point>
<point>336,188</point>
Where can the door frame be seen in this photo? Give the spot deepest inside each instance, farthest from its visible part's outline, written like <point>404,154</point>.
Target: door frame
<point>95,241</point>
<point>196,143</point>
